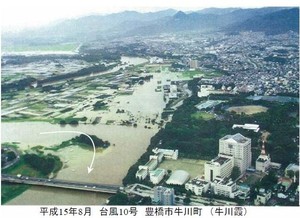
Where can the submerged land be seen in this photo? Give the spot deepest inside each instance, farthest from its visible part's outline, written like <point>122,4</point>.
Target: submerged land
<point>179,90</point>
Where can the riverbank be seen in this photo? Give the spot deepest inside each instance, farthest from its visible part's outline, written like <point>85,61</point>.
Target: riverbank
<point>126,142</point>
<point>33,164</point>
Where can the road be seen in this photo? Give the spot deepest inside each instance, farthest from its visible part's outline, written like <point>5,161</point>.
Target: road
<point>8,164</point>
<point>93,187</point>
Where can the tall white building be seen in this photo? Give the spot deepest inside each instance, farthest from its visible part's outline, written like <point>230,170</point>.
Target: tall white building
<point>194,64</point>
<point>239,147</point>
<point>163,195</point>
<point>220,166</point>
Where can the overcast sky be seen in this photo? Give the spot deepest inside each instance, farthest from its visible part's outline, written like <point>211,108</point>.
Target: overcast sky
<point>30,13</point>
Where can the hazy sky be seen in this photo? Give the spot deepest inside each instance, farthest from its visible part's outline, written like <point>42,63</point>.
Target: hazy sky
<point>28,13</point>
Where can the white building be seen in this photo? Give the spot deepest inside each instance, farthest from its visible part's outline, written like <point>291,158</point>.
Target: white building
<point>163,195</point>
<point>141,174</point>
<point>152,163</point>
<point>197,186</point>
<point>263,161</point>
<point>178,177</point>
<point>225,187</point>
<point>167,153</point>
<point>291,167</point>
<point>173,92</point>
<point>156,60</point>
<point>159,156</point>
<point>239,147</point>
<point>194,64</point>
<point>253,127</point>
<point>221,166</point>
<point>157,175</point>
<point>168,197</point>
<point>143,170</point>
<point>262,197</point>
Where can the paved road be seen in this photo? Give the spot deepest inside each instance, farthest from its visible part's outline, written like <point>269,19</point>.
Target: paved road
<point>14,160</point>
<point>94,187</point>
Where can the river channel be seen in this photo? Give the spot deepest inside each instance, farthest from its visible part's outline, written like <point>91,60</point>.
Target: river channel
<point>110,165</point>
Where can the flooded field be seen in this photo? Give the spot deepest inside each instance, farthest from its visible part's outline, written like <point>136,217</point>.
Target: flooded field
<point>128,143</point>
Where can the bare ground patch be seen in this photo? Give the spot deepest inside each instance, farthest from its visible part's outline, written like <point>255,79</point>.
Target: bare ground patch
<point>248,109</point>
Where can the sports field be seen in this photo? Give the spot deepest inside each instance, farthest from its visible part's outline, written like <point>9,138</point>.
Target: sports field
<point>248,109</point>
<point>193,167</point>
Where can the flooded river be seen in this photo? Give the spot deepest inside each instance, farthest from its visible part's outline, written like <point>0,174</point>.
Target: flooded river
<point>110,166</point>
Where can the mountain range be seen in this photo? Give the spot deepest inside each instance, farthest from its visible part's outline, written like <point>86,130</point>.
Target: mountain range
<point>271,20</point>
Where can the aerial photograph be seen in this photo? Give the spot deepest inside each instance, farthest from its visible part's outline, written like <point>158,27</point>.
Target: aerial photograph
<point>171,104</point>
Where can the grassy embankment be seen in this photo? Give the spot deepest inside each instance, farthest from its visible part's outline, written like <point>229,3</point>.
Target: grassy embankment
<point>30,164</point>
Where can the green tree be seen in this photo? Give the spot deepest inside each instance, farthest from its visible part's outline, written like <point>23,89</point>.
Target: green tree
<point>186,201</point>
<point>119,199</point>
<point>269,180</point>
<point>235,173</point>
<point>290,173</point>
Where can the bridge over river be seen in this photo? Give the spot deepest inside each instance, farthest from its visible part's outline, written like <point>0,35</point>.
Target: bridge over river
<point>93,187</point>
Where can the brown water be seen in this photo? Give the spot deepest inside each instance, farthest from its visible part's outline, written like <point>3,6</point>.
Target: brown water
<point>110,166</point>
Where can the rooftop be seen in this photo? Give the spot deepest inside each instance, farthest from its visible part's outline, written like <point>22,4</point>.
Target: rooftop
<point>263,158</point>
<point>223,181</point>
<point>178,177</point>
<point>219,160</point>
<point>239,138</point>
<point>156,172</point>
<point>293,167</point>
<point>198,182</point>
<point>141,172</point>
<point>151,162</point>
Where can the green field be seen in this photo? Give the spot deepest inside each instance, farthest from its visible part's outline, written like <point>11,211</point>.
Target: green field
<point>51,47</point>
<point>10,190</point>
<point>202,115</point>
<point>193,73</point>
